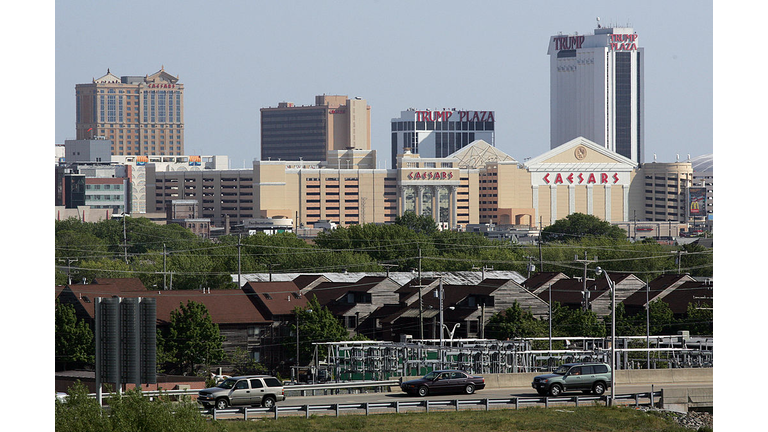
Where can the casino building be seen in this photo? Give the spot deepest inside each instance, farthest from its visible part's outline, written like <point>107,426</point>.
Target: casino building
<point>597,90</point>
<point>475,184</point>
<point>440,133</point>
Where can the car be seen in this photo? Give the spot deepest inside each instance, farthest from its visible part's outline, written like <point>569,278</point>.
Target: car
<point>444,381</point>
<point>587,377</point>
<point>260,390</point>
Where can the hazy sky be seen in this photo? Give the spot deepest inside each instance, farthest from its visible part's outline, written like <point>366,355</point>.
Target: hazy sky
<point>235,57</point>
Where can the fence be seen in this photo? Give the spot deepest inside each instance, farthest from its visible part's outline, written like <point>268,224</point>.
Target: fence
<point>650,399</point>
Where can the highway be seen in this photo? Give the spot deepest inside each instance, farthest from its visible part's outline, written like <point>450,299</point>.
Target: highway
<point>327,404</point>
<point>497,393</point>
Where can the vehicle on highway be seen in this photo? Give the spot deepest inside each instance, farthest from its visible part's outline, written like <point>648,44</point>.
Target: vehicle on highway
<point>263,390</point>
<point>587,377</point>
<point>444,381</point>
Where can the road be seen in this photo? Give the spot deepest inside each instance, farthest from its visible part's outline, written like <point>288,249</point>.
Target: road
<point>497,393</point>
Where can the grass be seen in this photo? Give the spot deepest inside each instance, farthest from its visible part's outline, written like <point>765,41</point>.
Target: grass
<point>593,418</point>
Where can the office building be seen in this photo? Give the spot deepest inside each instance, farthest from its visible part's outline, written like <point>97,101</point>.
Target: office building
<point>141,115</point>
<point>290,132</point>
<point>438,133</point>
<point>596,90</point>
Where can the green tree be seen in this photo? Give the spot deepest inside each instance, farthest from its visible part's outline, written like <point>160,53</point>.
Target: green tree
<point>577,225</point>
<point>421,224</point>
<point>576,322</point>
<point>316,324</point>
<point>74,338</point>
<point>80,412</point>
<point>192,338</point>
<point>132,411</point>
<point>244,364</point>
<point>515,323</point>
<point>662,318</point>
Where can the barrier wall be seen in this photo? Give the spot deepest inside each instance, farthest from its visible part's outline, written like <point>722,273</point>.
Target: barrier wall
<point>627,376</point>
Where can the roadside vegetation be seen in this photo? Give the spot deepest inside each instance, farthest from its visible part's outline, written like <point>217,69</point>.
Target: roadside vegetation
<point>132,412</point>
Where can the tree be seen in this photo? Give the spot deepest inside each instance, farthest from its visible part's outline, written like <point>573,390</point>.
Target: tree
<point>515,323</point>
<point>74,338</point>
<point>316,324</point>
<point>80,412</point>
<point>192,338</point>
<point>421,224</point>
<point>577,225</point>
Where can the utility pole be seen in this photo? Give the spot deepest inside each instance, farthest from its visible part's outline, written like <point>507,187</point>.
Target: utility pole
<point>165,273</point>
<point>679,260</point>
<point>421,303</point>
<point>239,262</point>
<point>125,241</point>
<point>541,260</point>
<point>585,292</point>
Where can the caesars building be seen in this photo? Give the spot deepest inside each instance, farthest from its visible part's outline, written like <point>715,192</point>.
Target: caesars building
<point>476,184</point>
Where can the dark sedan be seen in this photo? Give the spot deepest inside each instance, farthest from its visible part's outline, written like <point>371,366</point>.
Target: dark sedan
<point>444,381</point>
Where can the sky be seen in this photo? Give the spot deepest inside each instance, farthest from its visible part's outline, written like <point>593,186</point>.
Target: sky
<point>235,57</point>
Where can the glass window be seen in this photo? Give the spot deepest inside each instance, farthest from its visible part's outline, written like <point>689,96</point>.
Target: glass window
<point>256,383</point>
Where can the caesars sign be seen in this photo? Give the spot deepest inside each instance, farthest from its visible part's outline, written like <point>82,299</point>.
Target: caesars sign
<point>430,175</point>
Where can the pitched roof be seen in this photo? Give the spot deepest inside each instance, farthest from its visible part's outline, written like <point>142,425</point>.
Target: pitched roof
<point>275,298</point>
<point>689,292</point>
<point>224,306</point>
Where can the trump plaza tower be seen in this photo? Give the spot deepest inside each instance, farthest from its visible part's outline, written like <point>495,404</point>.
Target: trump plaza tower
<point>596,90</point>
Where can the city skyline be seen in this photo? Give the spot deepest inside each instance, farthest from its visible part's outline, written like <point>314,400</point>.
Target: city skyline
<point>396,55</point>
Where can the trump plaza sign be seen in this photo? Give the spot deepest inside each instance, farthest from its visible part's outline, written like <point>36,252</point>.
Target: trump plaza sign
<point>476,116</point>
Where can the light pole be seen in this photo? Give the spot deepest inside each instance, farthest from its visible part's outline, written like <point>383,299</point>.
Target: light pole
<point>612,287</point>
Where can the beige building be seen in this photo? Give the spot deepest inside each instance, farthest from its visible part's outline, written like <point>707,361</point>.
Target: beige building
<point>477,184</point>
<point>290,132</point>
<point>142,115</point>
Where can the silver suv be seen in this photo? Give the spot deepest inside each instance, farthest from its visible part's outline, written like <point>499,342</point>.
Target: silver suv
<point>260,390</point>
<point>587,377</point>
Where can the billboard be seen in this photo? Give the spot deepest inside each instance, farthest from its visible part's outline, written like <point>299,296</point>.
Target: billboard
<point>697,202</point>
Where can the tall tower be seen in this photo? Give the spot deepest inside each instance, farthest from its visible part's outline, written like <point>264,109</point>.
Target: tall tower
<point>291,132</point>
<point>142,115</point>
<point>596,90</point>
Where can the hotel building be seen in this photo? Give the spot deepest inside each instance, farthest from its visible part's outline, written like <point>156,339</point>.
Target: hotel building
<point>291,132</point>
<point>596,90</point>
<point>141,115</point>
<point>439,133</point>
<point>476,184</point>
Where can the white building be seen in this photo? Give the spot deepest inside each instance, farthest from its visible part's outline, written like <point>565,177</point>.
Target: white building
<point>596,90</point>
<point>439,133</point>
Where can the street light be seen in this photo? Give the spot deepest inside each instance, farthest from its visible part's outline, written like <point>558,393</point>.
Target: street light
<point>612,287</point>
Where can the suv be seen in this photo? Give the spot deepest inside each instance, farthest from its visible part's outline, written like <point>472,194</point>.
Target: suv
<point>587,377</point>
<point>249,390</point>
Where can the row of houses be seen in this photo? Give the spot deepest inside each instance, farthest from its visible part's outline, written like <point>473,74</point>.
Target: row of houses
<point>259,316</point>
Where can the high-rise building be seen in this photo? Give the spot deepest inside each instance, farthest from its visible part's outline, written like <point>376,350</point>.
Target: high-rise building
<point>596,90</point>
<point>141,115</point>
<point>291,132</point>
<point>439,133</point>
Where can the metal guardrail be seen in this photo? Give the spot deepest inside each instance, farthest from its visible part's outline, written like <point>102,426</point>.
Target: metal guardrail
<point>302,389</point>
<point>456,404</point>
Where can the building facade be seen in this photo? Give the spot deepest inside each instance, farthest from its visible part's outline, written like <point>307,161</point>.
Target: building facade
<point>597,90</point>
<point>478,184</point>
<point>290,132</point>
<point>440,133</point>
<point>141,115</point>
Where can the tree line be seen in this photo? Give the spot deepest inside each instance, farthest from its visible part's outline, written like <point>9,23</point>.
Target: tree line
<point>165,255</point>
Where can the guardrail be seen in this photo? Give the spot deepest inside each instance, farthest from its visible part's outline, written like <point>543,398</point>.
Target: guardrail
<point>302,389</point>
<point>456,404</point>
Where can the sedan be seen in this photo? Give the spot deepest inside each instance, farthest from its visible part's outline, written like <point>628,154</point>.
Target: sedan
<point>444,381</point>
